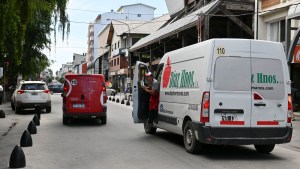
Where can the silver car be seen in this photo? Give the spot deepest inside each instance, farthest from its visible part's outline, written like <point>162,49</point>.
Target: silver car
<point>30,94</point>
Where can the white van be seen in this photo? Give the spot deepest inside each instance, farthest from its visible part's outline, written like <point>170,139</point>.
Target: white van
<point>221,91</point>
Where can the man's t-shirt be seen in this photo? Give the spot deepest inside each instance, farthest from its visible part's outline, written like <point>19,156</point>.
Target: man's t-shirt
<point>155,85</point>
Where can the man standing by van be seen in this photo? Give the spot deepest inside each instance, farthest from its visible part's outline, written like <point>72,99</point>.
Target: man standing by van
<point>153,89</point>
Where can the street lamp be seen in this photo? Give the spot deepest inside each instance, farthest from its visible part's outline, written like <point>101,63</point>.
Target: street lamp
<point>129,56</point>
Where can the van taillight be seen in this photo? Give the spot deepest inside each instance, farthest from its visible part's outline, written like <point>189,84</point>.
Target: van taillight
<point>21,91</point>
<point>290,109</point>
<point>104,93</point>
<point>204,117</point>
<point>66,88</point>
<point>46,91</point>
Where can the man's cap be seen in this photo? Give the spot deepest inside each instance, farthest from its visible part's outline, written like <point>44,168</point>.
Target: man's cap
<point>148,74</point>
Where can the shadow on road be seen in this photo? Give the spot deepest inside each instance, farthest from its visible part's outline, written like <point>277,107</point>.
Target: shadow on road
<point>221,152</point>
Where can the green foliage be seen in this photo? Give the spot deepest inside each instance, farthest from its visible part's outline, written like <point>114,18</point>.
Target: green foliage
<point>25,31</point>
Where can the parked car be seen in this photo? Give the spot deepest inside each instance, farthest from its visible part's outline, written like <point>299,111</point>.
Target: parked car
<point>56,88</point>
<point>110,92</point>
<point>29,94</point>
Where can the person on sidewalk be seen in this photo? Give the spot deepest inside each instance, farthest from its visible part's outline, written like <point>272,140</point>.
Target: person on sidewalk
<point>153,89</point>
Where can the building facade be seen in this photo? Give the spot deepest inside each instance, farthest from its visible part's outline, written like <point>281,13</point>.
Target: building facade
<point>278,21</point>
<point>137,12</point>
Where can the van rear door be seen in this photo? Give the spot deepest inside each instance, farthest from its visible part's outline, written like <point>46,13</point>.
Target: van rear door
<point>83,93</point>
<point>140,97</point>
<point>230,90</point>
<point>269,108</point>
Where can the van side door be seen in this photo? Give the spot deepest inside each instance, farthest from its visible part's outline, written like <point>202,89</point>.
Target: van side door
<point>140,97</point>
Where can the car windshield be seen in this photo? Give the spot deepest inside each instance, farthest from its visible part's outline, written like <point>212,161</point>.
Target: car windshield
<point>33,86</point>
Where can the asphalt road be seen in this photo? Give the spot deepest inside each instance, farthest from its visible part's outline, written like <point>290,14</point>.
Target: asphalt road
<point>121,144</point>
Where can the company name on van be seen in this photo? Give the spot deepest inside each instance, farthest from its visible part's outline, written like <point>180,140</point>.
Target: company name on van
<point>264,78</point>
<point>185,79</point>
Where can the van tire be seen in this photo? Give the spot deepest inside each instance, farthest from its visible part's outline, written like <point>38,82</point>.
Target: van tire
<point>149,129</point>
<point>265,149</point>
<point>192,145</point>
<point>66,120</point>
<point>103,120</point>
<point>48,109</point>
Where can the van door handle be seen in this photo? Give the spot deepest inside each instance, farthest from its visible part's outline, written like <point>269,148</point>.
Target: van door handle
<point>259,104</point>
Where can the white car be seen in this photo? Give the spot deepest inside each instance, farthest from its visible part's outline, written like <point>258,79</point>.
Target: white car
<point>30,94</point>
<point>110,92</point>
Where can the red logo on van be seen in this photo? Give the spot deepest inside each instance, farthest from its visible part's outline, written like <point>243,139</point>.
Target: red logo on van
<point>167,74</point>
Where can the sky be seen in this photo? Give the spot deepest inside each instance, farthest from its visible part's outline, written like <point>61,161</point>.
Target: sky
<point>82,12</point>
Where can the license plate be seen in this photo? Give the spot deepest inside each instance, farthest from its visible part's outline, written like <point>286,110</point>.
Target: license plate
<point>34,93</point>
<point>229,117</point>
<point>80,105</point>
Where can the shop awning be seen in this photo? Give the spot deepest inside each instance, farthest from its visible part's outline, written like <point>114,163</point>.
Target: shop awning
<point>175,27</point>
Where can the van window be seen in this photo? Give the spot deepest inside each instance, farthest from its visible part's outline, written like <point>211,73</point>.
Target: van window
<point>267,78</point>
<point>232,74</point>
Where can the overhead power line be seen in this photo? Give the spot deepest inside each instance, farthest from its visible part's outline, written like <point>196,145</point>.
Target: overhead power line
<point>102,12</point>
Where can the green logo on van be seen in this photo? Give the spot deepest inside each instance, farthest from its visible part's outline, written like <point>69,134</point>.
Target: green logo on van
<point>263,78</point>
<point>185,79</point>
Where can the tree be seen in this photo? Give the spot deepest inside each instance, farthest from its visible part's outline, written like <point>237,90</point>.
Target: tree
<point>25,30</point>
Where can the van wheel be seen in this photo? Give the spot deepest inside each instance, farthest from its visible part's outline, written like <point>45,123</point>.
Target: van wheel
<point>264,148</point>
<point>48,109</point>
<point>192,145</point>
<point>103,120</point>
<point>66,120</point>
<point>149,129</point>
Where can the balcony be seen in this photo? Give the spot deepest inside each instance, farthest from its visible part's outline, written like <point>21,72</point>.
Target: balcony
<point>119,51</point>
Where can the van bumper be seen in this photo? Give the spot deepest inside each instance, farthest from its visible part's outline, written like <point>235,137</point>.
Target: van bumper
<point>86,115</point>
<point>242,136</point>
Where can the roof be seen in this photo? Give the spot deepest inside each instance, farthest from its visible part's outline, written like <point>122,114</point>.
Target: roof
<point>139,27</point>
<point>175,27</point>
<point>134,5</point>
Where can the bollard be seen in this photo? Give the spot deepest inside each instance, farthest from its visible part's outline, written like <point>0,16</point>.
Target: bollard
<point>113,99</point>
<point>117,101</point>
<point>128,103</point>
<point>109,98</point>
<point>32,128</point>
<point>122,102</point>
<point>26,140</point>
<point>36,120</point>
<point>17,158</point>
<point>2,114</point>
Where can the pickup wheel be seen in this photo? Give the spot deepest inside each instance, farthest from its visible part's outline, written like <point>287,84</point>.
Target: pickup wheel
<point>149,128</point>
<point>192,145</point>
<point>265,149</point>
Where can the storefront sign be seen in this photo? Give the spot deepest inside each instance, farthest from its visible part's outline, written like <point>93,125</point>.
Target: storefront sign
<point>297,54</point>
